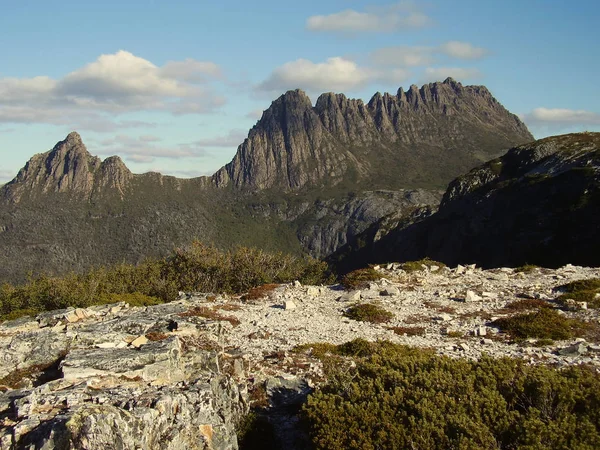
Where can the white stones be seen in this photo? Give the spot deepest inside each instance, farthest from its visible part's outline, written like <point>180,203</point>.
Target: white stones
<point>443,317</point>
<point>289,304</point>
<point>460,270</point>
<point>352,296</point>
<point>313,291</point>
<point>139,341</point>
<point>464,347</point>
<point>297,284</point>
<point>486,342</point>
<point>480,331</point>
<point>579,348</point>
<point>106,345</point>
<point>472,297</point>
<point>390,291</point>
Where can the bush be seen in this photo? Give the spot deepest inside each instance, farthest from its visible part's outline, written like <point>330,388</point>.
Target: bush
<point>526,268</point>
<point>360,279</point>
<point>397,397</point>
<point>368,312</point>
<point>581,291</point>
<point>414,266</point>
<point>543,324</point>
<point>197,268</point>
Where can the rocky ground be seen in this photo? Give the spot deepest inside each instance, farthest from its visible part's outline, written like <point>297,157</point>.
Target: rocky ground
<point>177,375</point>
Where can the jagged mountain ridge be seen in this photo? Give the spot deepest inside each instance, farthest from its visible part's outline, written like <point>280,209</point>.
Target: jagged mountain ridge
<point>308,179</point>
<point>439,123</point>
<point>537,204</point>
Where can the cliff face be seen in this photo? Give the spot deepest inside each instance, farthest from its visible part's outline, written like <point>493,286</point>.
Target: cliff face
<point>538,204</point>
<point>415,133</point>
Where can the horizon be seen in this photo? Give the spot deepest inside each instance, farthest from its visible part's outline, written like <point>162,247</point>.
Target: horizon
<point>138,85</point>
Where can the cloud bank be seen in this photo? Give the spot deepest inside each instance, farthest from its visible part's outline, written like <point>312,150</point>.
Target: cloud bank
<point>396,17</point>
<point>114,84</point>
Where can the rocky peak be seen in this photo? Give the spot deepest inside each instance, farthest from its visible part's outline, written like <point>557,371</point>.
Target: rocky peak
<point>296,145</point>
<point>67,168</point>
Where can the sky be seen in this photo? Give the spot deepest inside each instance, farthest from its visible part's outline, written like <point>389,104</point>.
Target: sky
<point>174,86</point>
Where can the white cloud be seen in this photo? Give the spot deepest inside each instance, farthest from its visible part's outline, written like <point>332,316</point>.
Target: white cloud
<point>113,84</point>
<point>399,16</point>
<point>232,139</point>
<point>462,50</point>
<point>458,73</point>
<point>414,56</point>
<point>404,56</point>
<point>144,150</point>
<point>335,74</point>
<point>562,117</point>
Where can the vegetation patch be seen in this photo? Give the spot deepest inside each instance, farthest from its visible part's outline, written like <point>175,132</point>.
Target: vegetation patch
<point>260,292</point>
<point>408,331</point>
<point>581,291</point>
<point>36,374</point>
<point>360,279</point>
<point>455,334</point>
<point>369,312</point>
<point>527,304</point>
<point>156,336</point>
<point>542,324</point>
<point>397,397</point>
<point>210,313</point>
<point>197,268</point>
<point>526,268</point>
<point>414,266</point>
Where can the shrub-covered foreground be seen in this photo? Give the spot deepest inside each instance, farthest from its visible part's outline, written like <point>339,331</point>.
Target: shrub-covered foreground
<point>402,398</point>
<point>198,268</point>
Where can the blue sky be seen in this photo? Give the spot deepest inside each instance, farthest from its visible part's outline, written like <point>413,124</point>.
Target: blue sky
<point>174,86</point>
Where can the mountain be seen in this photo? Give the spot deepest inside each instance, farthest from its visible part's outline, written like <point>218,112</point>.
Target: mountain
<point>419,138</point>
<point>537,204</point>
<point>307,179</point>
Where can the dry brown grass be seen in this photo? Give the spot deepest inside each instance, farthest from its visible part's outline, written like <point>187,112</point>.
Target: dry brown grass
<point>210,313</point>
<point>440,308</point>
<point>409,331</point>
<point>260,292</point>
<point>228,307</point>
<point>156,336</point>
<point>416,318</point>
<point>189,343</point>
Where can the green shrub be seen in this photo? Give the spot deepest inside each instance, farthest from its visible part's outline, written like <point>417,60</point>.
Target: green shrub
<point>360,279</point>
<point>542,324</point>
<point>526,268</point>
<point>368,312</point>
<point>402,398</point>
<point>415,266</point>
<point>581,291</point>
<point>196,268</point>
<point>581,285</point>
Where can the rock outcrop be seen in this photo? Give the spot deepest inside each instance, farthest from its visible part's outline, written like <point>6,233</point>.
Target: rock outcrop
<point>119,377</point>
<point>538,204</point>
<point>413,134</point>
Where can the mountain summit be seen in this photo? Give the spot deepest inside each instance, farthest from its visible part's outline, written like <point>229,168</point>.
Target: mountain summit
<point>67,168</point>
<point>427,136</point>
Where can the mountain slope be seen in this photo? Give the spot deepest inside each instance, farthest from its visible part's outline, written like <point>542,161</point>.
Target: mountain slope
<point>538,204</point>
